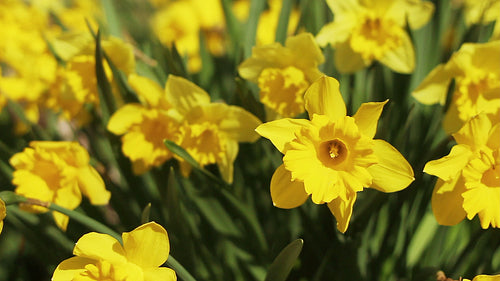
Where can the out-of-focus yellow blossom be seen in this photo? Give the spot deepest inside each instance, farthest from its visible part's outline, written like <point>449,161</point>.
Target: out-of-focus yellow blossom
<point>268,20</point>
<point>3,214</point>
<point>485,278</point>
<point>57,172</point>
<point>76,83</point>
<point>178,23</point>
<point>101,257</point>
<point>469,177</point>
<point>333,156</point>
<point>284,73</point>
<point>145,126</point>
<point>364,31</point>
<point>483,12</point>
<point>210,131</point>
<point>474,67</point>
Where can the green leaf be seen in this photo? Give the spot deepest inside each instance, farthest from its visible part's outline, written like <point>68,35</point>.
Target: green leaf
<point>283,263</point>
<point>145,214</point>
<point>103,86</point>
<point>281,30</point>
<point>423,236</point>
<point>256,8</point>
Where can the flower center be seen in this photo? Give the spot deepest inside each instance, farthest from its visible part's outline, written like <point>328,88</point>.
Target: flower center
<point>282,90</point>
<point>491,177</point>
<point>374,36</point>
<point>333,152</point>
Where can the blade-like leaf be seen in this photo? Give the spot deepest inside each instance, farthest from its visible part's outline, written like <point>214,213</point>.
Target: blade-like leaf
<point>145,214</point>
<point>283,263</point>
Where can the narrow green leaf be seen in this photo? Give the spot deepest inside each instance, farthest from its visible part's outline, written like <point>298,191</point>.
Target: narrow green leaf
<point>283,263</point>
<point>423,236</point>
<point>112,19</point>
<point>145,214</point>
<point>256,8</point>
<point>281,30</point>
<point>103,87</point>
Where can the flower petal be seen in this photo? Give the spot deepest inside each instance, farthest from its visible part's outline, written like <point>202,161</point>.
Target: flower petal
<point>475,132</point>
<point>323,97</point>
<point>262,57</point>
<point>184,94</point>
<point>98,246</point>
<point>281,131</point>
<point>61,220</point>
<point>121,120</point>
<point>92,186</point>
<point>447,206</point>
<point>402,58</point>
<point>303,44</point>
<point>348,61</point>
<point>225,164</point>
<point>392,173</point>
<point>147,245</point>
<point>240,124</point>
<point>451,165</point>
<point>367,117</point>
<point>147,90</point>
<point>68,268</point>
<point>342,210</point>
<point>161,273</point>
<point>434,87</point>
<point>485,202</point>
<point>334,33</point>
<point>286,193</point>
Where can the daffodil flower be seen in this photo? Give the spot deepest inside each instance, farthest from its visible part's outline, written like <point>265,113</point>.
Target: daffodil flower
<point>364,31</point>
<point>333,156</point>
<point>57,172</point>
<point>477,84</point>
<point>210,131</point>
<point>101,257</point>
<point>144,126</point>
<point>3,214</point>
<point>485,278</point>
<point>469,177</point>
<point>483,12</point>
<point>284,73</point>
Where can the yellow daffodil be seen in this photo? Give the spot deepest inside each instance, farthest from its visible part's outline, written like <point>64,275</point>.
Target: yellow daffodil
<point>145,126</point>
<point>474,67</point>
<point>57,172</point>
<point>283,73</point>
<point>483,12</point>
<point>211,131</point>
<point>101,257</point>
<point>485,278</point>
<point>364,31</point>
<point>469,177</point>
<point>333,156</point>
<point>3,214</point>
<point>76,83</point>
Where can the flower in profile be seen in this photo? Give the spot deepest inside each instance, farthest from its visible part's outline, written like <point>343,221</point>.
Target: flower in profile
<point>101,257</point>
<point>333,156</point>
<point>3,214</point>
<point>210,131</point>
<point>57,172</point>
<point>485,278</point>
<point>474,67</point>
<point>144,126</point>
<point>364,31</point>
<point>469,177</point>
<point>284,73</point>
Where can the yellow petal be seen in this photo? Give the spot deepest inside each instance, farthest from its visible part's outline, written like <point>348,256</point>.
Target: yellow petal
<point>161,273</point>
<point>451,165</point>
<point>486,278</point>
<point>494,136</point>
<point>367,117</point>
<point>69,268</point>
<point>147,89</point>
<point>262,57</point>
<point>485,202</point>
<point>392,173</point>
<point>225,164</point>
<point>281,131</point>
<point>348,61</point>
<point>61,220</point>
<point>239,124</point>
<point>98,246</point>
<point>124,118</point>
<point>451,122</point>
<point>434,87</point>
<point>342,210</point>
<point>303,44</point>
<point>402,58</point>
<point>419,13</point>
<point>120,53</point>
<point>323,98</point>
<point>184,94</point>
<point>447,206</point>
<point>92,186</point>
<point>147,245</point>
<point>334,33</point>
<point>286,193</point>
<point>475,132</point>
